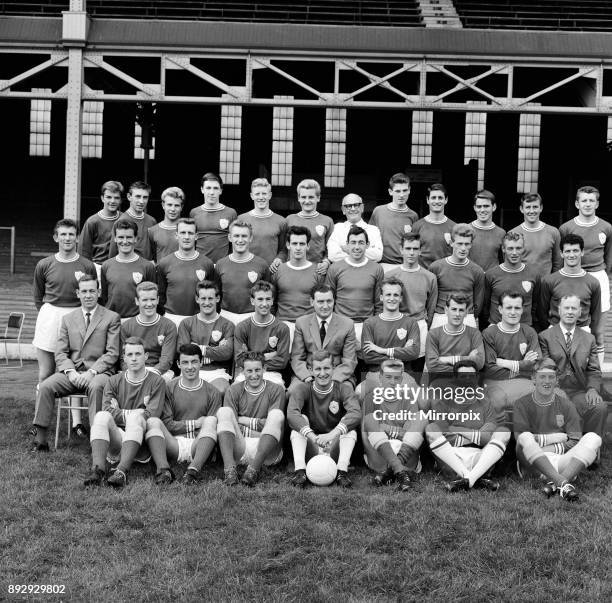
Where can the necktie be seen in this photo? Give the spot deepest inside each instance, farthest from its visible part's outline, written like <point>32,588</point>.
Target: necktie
<point>568,340</point>
<point>87,320</point>
<point>322,331</point>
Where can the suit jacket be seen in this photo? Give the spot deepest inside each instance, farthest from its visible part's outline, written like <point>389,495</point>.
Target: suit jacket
<point>340,341</point>
<point>581,360</point>
<point>94,348</point>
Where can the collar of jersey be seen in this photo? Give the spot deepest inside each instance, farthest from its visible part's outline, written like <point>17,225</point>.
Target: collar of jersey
<point>103,217</point>
<point>129,212</point>
<point>507,331</point>
<point>536,229</point>
<point>323,391</point>
<point>135,382</point>
<point>402,267</point>
<point>126,261</point>
<point>248,259</point>
<point>148,324</point>
<point>308,217</point>
<point>207,322</point>
<point>254,215</point>
<point>290,265</point>
<point>450,261</point>
<point>390,319</point>
<point>582,273</point>
<point>541,403</point>
<point>475,225</point>
<point>586,224</point>
<point>190,389</point>
<point>457,333</point>
<point>218,208</point>
<point>429,219</point>
<point>161,225</point>
<point>363,263</point>
<point>258,392</point>
<point>399,211</point>
<point>513,271</point>
<point>195,257</point>
<point>74,259</point>
<point>263,324</point>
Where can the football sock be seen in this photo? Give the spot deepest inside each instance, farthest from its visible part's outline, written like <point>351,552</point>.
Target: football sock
<point>444,451</point>
<point>157,447</point>
<point>266,445</point>
<point>346,449</point>
<point>490,454</point>
<point>409,457</point>
<point>41,435</point>
<point>387,453</point>
<point>77,418</point>
<point>226,445</point>
<point>572,469</point>
<point>298,445</point>
<point>129,450</point>
<point>543,465</point>
<point>204,446</point>
<point>99,448</point>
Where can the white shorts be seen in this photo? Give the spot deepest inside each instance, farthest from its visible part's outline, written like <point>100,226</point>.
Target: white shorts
<point>268,375</point>
<point>358,331</point>
<point>175,318</point>
<point>184,449</point>
<point>440,320</point>
<point>468,455</point>
<point>98,273</point>
<point>291,326</point>
<point>395,446</point>
<point>604,283</point>
<point>48,325</point>
<point>235,318</point>
<point>210,376</point>
<point>250,451</point>
<point>423,335</point>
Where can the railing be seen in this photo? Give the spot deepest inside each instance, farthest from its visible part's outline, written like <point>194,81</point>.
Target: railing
<point>12,261</point>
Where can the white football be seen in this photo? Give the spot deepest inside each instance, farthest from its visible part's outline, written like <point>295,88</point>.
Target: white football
<point>321,470</point>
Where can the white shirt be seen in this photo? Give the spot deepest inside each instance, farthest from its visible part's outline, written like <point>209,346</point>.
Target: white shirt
<point>338,238</point>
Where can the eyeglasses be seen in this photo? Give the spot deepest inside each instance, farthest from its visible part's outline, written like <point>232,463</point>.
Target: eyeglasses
<point>352,206</point>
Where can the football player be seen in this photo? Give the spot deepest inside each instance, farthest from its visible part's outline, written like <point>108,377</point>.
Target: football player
<point>162,236</point>
<point>487,235</point>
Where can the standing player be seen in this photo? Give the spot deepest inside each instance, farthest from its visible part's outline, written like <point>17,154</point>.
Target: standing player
<point>488,237</point>
<point>541,239</point>
<point>572,279</point>
<point>268,227</point>
<point>549,440</point>
<point>469,437</point>
<point>263,333</point>
<point>250,424</point>
<point>238,272</point>
<point>130,398</point>
<point>96,235</point>
<point>356,281</point>
<point>212,219</point>
<point>121,274</point>
<point>390,334</point>
<point>394,219</point>
<point>392,430</point>
<point>320,226</point>
<point>420,286</point>
<point>454,341</point>
<point>512,275</point>
<point>352,208</point>
<point>162,236</point>
<point>180,272</point>
<point>295,279</point>
<point>187,430</point>
<point>323,416</point>
<point>458,274</point>
<point>213,334</point>
<point>511,350</point>
<point>55,286</point>
<point>138,195</point>
<point>157,332</point>
<point>435,228</point>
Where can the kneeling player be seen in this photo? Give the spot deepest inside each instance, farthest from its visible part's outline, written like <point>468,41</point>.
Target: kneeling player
<point>549,441</point>
<point>392,429</point>
<point>467,446</point>
<point>130,398</point>
<point>250,423</point>
<point>187,430</point>
<point>323,415</point>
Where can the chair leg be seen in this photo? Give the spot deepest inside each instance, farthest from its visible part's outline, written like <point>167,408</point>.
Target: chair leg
<point>19,352</point>
<point>69,423</point>
<point>5,352</point>
<point>57,422</point>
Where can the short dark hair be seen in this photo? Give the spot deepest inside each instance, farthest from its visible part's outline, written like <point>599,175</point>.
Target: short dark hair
<point>458,298</point>
<point>298,231</point>
<point>208,285</point>
<point>125,224</point>
<point>263,286</point>
<point>356,231</point>
<point>133,341</point>
<point>213,177</point>
<point>66,223</point>
<point>571,239</point>
<point>139,184</point>
<point>511,295</point>
<point>321,288</point>
<point>253,356</point>
<point>190,349</point>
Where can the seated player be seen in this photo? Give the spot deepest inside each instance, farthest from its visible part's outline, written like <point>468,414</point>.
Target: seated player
<point>121,274</point>
<point>458,274</point>
<point>466,435</point>
<point>323,329</point>
<point>453,342</point>
<point>238,272</point>
<point>157,332</point>
<point>392,430</point>
<point>180,272</point>
<point>187,430</point>
<point>574,352</point>
<point>488,237</point>
<point>511,349</point>
<point>130,398</point>
<point>162,236</point>
<point>87,352</point>
<point>323,416</point>
<point>390,334</point>
<point>264,333</point>
<point>213,334</point>
<point>250,424</point>
<point>549,441</point>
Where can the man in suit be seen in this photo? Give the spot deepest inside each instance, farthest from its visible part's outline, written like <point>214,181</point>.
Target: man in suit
<point>575,354</point>
<point>324,329</point>
<point>88,350</point>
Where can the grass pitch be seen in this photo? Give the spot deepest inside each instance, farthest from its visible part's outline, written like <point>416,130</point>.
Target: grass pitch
<point>274,543</point>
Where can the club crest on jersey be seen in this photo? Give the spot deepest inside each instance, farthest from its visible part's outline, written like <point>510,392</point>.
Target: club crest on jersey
<point>216,335</point>
<point>409,343</point>
<point>252,275</point>
<point>223,223</point>
<point>523,348</point>
<point>272,341</point>
<point>78,274</point>
<point>560,420</point>
<point>447,238</point>
<point>401,333</point>
<point>334,407</point>
<point>160,339</point>
<point>602,237</point>
<point>526,285</point>
<point>407,228</point>
<point>137,277</point>
<point>201,274</point>
<point>320,229</point>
